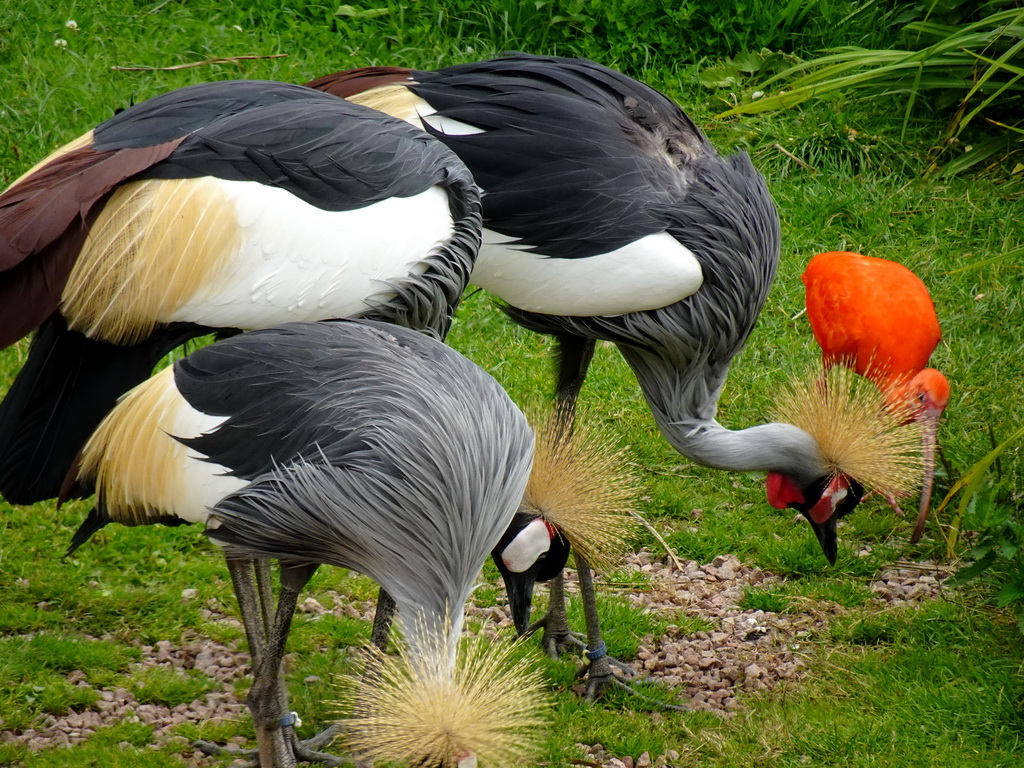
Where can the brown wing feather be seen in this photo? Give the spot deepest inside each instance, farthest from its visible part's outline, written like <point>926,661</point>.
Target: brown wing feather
<point>42,218</point>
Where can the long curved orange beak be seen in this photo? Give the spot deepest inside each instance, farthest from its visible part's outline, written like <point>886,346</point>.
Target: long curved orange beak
<point>929,439</point>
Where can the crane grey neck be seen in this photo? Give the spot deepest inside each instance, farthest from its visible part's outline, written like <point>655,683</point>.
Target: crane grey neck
<point>684,404</point>
<point>681,353</point>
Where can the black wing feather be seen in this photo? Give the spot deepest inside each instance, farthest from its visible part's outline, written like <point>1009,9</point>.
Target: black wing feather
<point>562,135</point>
<point>179,112</point>
<point>330,153</point>
<point>297,391</point>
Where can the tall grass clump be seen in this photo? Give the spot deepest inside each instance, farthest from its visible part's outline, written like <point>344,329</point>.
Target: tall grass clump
<point>967,65</point>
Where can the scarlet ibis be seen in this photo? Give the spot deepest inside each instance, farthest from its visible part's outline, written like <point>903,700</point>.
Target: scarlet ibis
<point>222,206</point>
<point>609,215</point>
<point>877,317</point>
<point>355,444</point>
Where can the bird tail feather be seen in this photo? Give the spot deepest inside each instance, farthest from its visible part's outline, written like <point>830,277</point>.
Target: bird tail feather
<point>66,386</point>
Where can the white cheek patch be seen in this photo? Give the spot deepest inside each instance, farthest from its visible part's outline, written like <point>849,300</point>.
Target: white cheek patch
<point>532,542</point>
<point>833,495</point>
<point>838,496</point>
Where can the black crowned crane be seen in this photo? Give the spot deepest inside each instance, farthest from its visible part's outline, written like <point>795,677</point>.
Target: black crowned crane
<point>609,216</point>
<point>225,206</point>
<point>359,445</point>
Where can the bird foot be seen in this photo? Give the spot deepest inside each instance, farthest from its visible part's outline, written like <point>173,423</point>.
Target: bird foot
<point>597,668</point>
<point>305,751</point>
<point>557,638</point>
<point>220,750</point>
<point>600,677</point>
<point>308,750</point>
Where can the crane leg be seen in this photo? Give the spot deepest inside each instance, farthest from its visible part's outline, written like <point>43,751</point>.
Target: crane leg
<point>264,700</point>
<point>252,595</point>
<point>266,629</point>
<point>574,356</point>
<point>599,669</point>
<point>382,617</point>
<point>557,637</point>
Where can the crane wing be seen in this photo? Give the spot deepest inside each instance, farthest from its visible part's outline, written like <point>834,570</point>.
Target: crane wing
<point>552,136</point>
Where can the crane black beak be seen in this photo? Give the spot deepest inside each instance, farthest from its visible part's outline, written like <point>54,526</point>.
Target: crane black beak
<point>840,495</point>
<point>828,539</point>
<point>519,587</point>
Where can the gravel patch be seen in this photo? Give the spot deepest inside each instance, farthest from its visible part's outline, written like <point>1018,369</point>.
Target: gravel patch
<point>745,651</point>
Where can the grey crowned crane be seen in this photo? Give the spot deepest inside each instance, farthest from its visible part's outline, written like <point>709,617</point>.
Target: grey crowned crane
<point>355,444</point>
<point>608,215</point>
<point>218,207</point>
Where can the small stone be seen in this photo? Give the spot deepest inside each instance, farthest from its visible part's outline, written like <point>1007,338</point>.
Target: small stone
<point>753,671</point>
<point>311,605</point>
<point>205,661</point>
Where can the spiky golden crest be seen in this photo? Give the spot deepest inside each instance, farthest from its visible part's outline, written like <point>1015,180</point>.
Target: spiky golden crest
<point>582,485</point>
<point>859,433</point>
<point>424,713</point>
<point>139,263</point>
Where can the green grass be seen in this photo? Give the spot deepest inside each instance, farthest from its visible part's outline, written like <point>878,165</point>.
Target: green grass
<point>940,686</point>
<point>170,687</point>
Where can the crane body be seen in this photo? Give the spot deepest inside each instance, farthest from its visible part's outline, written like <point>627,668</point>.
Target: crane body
<point>584,168</point>
<point>609,216</point>
<point>220,207</point>
<point>354,444</point>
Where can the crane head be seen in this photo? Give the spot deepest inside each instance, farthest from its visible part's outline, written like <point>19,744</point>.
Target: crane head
<point>823,502</point>
<point>580,496</point>
<point>863,441</point>
<point>531,550</point>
